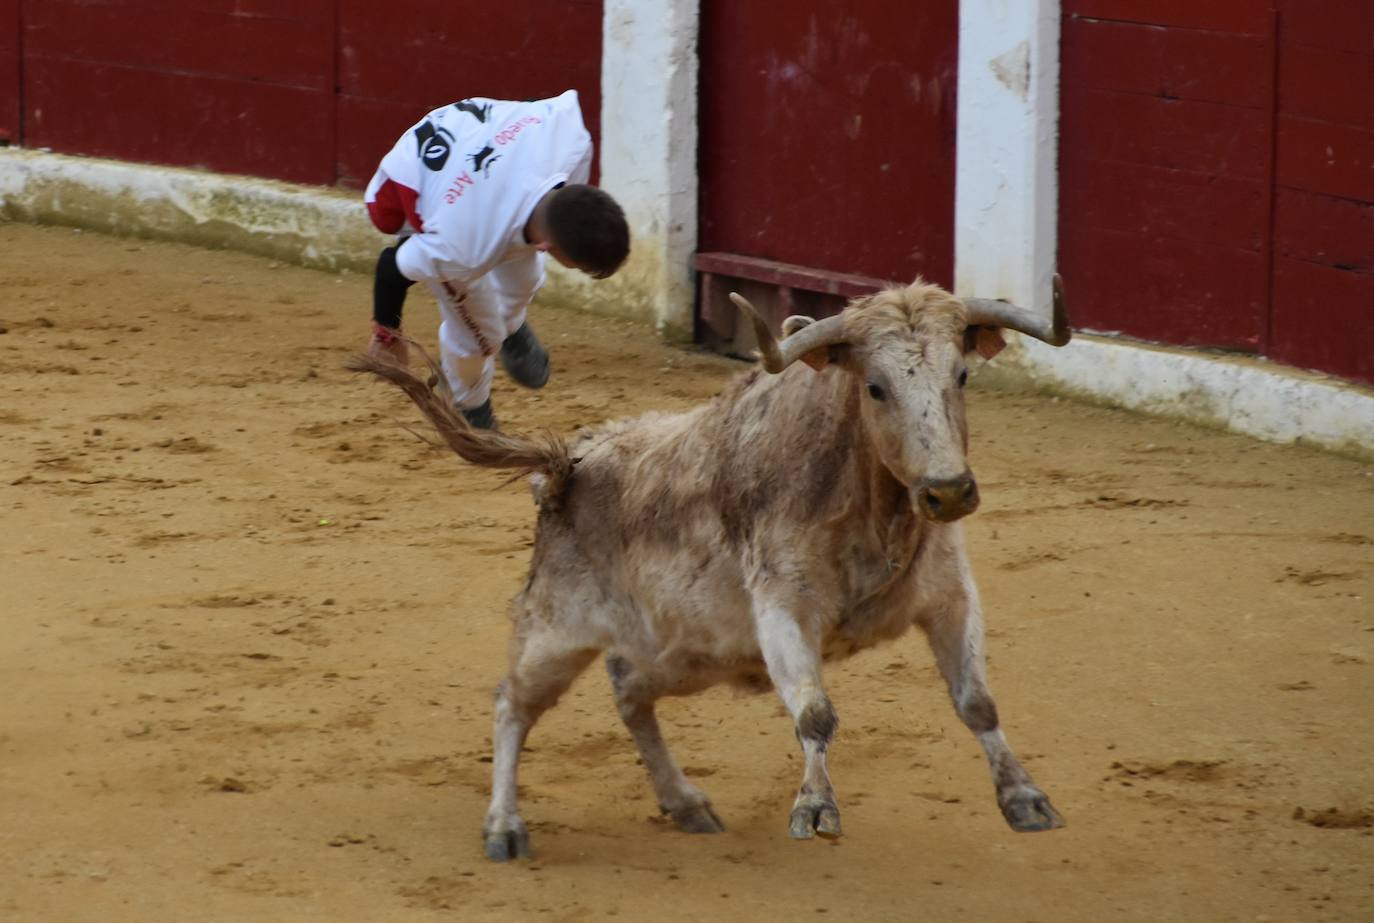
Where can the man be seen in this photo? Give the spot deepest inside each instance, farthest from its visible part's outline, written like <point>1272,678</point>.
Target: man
<point>479,191</point>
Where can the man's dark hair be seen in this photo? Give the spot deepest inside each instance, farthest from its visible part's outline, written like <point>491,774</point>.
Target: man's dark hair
<point>589,227</point>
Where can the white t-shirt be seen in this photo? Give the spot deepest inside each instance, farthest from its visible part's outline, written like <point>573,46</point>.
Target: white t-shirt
<point>479,167</point>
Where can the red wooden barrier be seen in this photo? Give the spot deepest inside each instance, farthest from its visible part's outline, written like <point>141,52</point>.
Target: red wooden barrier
<point>1165,163</point>
<point>240,86</point>
<point>1217,175</point>
<point>10,32</point>
<point>400,59</point>
<point>827,134</point>
<point>313,91</point>
<point>1323,283</point>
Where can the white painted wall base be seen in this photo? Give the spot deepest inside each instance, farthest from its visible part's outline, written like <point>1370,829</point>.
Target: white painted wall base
<point>1250,396</point>
<point>312,226</point>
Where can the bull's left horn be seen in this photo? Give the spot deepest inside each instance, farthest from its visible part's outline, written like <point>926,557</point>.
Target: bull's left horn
<point>1056,331</point>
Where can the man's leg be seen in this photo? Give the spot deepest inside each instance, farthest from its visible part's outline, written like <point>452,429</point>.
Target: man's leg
<point>469,337</point>
<point>388,298</point>
<point>514,285</point>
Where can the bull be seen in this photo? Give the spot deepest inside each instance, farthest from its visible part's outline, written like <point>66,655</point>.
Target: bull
<point>809,511</point>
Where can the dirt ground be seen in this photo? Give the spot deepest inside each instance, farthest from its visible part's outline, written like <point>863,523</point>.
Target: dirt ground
<point>249,629</point>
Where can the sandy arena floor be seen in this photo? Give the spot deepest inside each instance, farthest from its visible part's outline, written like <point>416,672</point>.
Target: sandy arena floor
<point>249,628</point>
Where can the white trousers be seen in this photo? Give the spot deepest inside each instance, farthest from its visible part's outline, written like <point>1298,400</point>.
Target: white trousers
<point>476,320</point>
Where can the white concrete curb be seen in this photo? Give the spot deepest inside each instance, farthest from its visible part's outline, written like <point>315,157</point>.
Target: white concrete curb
<point>1252,396</point>
<point>314,226</point>
<point>328,228</point>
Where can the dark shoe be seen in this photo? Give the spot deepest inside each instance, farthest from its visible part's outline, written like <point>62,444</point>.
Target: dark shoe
<point>525,359</point>
<point>480,417</point>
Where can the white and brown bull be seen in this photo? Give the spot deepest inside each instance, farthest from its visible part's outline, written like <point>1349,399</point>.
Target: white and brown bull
<point>798,517</point>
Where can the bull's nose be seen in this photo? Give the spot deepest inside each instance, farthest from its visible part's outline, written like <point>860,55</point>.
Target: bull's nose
<point>948,499</point>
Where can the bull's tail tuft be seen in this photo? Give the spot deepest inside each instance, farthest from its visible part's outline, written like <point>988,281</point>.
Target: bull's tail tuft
<point>545,453</point>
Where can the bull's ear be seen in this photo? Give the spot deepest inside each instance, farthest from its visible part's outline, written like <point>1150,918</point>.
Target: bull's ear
<point>986,341</point>
<point>821,356</point>
<point>817,358</point>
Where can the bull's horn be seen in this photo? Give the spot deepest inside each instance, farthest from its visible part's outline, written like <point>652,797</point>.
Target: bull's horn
<point>990,313</point>
<point>778,356</point>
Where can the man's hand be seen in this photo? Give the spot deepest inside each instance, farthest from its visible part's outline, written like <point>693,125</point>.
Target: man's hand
<point>388,345</point>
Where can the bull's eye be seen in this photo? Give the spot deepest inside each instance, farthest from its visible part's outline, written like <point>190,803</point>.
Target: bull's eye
<point>876,392</point>
<point>963,378</point>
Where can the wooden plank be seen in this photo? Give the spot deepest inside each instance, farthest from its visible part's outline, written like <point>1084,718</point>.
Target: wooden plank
<point>211,38</point>
<point>1330,86</point>
<point>1198,137</point>
<point>1331,25</point>
<point>1165,290</point>
<point>233,126</point>
<point>1244,16</point>
<point>787,274</point>
<point>1157,202</point>
<point>11,118</point>
<point>1316,156</point>
<point>1174,63</point>
<point>1320,229</point>
<point>1324,319</point>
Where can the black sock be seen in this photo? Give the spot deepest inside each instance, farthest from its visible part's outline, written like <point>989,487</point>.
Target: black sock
<point>389,289</point>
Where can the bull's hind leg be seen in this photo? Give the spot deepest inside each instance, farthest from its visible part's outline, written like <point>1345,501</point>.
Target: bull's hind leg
<point>684,802</point>
<point>543,665</point>
<point>794,666</point>
<point>956,637</point>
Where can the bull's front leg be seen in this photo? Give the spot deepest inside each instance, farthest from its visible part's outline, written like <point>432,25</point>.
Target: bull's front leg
<point>794,665</point>
<point>956,637</point>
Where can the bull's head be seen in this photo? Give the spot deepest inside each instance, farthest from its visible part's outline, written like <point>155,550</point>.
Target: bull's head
<point>906,348</point>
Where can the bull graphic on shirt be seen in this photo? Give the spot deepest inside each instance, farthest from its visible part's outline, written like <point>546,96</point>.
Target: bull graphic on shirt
<point>483,159</point>
<point>479,113</point>
<point>434,145</point>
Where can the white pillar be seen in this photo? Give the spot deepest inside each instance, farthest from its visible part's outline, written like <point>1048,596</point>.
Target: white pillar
<point>1006,189</point>
<point>648,153</point>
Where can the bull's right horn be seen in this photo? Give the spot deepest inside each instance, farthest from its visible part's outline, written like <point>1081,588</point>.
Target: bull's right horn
<point>776,357</point>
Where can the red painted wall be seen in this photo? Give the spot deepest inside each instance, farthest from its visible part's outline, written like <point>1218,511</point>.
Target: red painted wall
<point>402,58</point>
<point>1323,282</point>
<point>1165,161</point>
<point>827,134</point>
<point>10,31</point>
<point>1217,175</point>
<point>313,91</point>
<point>238,86</point>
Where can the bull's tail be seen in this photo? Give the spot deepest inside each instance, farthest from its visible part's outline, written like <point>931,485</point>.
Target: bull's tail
<point>546,453</point>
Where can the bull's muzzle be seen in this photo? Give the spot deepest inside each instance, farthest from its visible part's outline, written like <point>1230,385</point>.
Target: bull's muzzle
<point>947,499</point>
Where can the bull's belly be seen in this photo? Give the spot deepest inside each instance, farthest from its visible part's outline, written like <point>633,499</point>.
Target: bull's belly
<point>683,661</point>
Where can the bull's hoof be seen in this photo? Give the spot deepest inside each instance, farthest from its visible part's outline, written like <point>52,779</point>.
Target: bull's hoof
<point>813,815</point>
<point>506,840</point>
<point>697,818</point>
<point>1028,810</point>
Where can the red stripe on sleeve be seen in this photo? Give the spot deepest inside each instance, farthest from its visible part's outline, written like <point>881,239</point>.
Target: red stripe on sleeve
<point>393,207</point>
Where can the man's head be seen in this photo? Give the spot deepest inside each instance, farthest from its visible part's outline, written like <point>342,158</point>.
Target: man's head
<point>585,229</point>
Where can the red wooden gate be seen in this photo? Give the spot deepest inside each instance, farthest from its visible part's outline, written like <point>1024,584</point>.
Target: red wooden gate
<point>1217,175</point>
<point>826,150</point>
